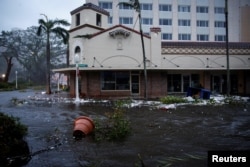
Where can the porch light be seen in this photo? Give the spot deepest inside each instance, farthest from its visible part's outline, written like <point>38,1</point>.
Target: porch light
<point>77,72</point>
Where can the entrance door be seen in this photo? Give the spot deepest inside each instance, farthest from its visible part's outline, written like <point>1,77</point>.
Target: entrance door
<point>135,85</point>
<point>216,84</point>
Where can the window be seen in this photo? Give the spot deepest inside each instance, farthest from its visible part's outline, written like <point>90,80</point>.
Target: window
<point>165,22</point>
<point>111,80</point>
<point>98,20</point>
<point>184,22</point>
<point>146,6</point>
<point>166,36</point>
<point>202,23</point>
<point>220,38</point>
<point>126,20</point>
<point>220,24</point>
<point>201,9</point>
<point>147,21</point>
<point>174,82</point>
<point>165,7</point>
<point>219,10</point>
<point>105,5</point>
<point>184,37</point>
<point>125,7</point>
<point>110,20</point>
<point>177,81</point>
<point>183,8</point>
<point>77,19</point>
<point>202,37</point>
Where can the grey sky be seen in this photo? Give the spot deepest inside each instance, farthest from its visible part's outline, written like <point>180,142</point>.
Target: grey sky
<point>25,13</point>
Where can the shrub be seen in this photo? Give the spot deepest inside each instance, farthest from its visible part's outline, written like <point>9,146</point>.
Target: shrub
<point>115,128</point>
<point>172,100</point>
<point>11,138</point>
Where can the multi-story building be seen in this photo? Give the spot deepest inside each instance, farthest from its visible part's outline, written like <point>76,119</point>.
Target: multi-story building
<point>111,57</point>
<point>184,20</point>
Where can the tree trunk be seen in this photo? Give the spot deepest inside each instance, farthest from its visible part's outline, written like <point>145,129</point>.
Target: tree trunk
<point>8,70</point>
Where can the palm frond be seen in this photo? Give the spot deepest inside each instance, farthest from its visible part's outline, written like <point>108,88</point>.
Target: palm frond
<point>61,32</point>
<point>39,30</point>
<point>61,22</point>
<point>133,4</point>
<point>129,4</point>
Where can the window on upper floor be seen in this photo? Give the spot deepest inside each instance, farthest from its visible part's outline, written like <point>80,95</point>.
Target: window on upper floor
<point>146,6</point>
<point>182,22</point>
<point>105,5</point>
<point>183,8</point>
<point>220,37</point>
<point>125,7</point>
<point>78,19</point>
<point>166,36</point>
<point>98,20</point>
<point>201,9</point>
<point>219,10</point>
<point>110,20</point>
<point>202,37</point>
<point>221,24</point>
<point>202,23</point>
<point>125,20</point>
<point>147,21</point>
<point>165,7</point>
<point>165,22</point>
<point>184,36</point>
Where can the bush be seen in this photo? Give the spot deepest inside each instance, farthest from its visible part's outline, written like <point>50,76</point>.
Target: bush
<point>172,100</point>
<point>115,128</point>
<point>11,138</point>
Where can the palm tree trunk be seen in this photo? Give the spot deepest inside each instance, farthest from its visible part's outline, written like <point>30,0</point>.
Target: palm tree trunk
<point>48,90</point>
<point>144,59</point>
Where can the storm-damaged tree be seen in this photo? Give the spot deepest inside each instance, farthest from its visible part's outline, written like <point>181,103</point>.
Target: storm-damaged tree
<point>9,43</point>
<point>135,4</point>
<point>51,27</point>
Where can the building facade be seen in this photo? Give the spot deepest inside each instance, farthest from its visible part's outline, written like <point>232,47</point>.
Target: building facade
<point>185,20</point>
<point>111,61</point>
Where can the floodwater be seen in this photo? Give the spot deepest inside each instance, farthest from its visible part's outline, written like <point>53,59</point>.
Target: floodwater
<point>176,137</point>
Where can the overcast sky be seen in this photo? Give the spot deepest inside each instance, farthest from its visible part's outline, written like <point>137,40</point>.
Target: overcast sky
<point>25,13</point>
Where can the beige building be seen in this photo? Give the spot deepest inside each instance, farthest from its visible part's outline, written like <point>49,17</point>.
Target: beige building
<point>111,60</point>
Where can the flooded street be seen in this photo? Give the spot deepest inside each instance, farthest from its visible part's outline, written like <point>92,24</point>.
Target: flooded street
<point>176,137</point>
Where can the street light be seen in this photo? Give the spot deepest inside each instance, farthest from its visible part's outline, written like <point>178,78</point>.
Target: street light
<point>16,79</point>
<point>77,89</point>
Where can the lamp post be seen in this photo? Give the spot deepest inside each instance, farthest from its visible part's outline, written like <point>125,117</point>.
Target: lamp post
<point>227,49</point>
<point>16,79</point>
<point>3,76</point>
<point>76,88</point>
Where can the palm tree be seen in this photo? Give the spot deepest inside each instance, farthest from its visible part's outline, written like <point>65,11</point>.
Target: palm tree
<point>135,4</point>
<point>48,27</point>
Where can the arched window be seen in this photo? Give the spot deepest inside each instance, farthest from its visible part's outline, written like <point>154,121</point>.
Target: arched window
<point>77,49</point>
<point>77,54</point>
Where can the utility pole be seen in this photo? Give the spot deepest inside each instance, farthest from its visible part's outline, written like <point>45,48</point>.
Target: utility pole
<point>227,49</point>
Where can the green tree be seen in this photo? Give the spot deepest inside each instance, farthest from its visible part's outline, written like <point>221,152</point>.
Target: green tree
<point>135,4</point>
<point>51,27</point>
